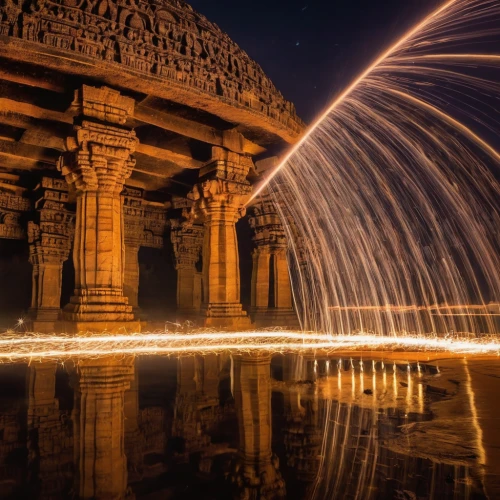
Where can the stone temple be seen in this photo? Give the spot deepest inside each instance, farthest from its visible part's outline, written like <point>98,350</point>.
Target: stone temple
<point>131,135</point>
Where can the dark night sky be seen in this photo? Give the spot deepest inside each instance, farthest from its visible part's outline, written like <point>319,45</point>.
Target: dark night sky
<point>312,49</point>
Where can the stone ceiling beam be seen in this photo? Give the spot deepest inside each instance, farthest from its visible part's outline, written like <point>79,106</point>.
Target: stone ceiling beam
<point>31,118</point>
<point>229,139</point>
<point>21,114</point>
<point>22,156</point>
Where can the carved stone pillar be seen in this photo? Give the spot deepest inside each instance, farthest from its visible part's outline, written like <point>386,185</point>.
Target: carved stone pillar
<point>187,241</point>
<point>219,202</point>
<point>145,225</point>
<point>131,276</point>
<point>49,237</point>
<point>102,463</point>
<point>97,163</point>
<point>256,473</point>
<point>272,303</point>
<point>260,279</point>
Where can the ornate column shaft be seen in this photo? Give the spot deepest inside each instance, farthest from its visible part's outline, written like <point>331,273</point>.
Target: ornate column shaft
<point>270,259</point>
<point>131,273</point>
<point>282,290</point>
<point>49,238</point>
<point>97,163</point>
<point>102,462</point>
<point>187,241</point>
<point>219,200</point>
<point>260,278</point>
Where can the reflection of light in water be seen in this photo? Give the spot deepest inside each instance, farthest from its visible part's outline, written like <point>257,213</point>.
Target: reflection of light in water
<point>395,381</point>
<point>421,397</point>
<point>353,380</point>
<point>475,420</point>
<point>409,389</point>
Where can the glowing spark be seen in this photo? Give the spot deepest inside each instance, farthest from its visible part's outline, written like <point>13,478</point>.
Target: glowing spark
<point>390,201</point>
<point>353,85</point>
<point>16,347</point>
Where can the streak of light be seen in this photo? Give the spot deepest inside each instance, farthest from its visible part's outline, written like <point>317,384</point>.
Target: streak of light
<point>40,346</point>
<point>353,86</point>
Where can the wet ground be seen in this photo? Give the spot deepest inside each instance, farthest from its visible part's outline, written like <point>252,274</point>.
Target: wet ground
<point>251,427</point>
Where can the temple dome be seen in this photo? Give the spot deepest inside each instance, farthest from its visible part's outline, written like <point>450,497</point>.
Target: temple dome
<point>158,47</point>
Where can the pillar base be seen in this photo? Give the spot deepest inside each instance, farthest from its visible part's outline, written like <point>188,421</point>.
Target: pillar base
<point>122,327</point>
<point>44,320</point>
<point>225,315</point>
<point>100,308</point>
<point>266,317</point>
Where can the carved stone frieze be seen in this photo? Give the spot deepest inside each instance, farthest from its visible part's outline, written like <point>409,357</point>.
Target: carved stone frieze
<point>13,204</point>
<point>145,221</point>
<point>187,242</point>
<point>265,221</point>
<point>164,38</point>
<point>51,233</point>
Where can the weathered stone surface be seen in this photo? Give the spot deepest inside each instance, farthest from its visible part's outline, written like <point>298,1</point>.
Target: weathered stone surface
<point>270,267</point>
<point>215,96</point>
<point>145,226</point>
<point>13,203</point>
<point>50,237</point>
<point>163,42</point>
<point>219,201</point>
<point>98,161</point>
<point>187,241</point>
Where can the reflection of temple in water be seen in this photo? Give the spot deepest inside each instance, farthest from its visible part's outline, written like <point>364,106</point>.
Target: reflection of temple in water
<point>215,427</point>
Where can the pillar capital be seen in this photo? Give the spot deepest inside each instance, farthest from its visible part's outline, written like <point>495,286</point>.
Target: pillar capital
<point>187,242</point>
<point>223,189</point>
<point>99,154</point>
<point>264,219</point>
<point>98,157</point>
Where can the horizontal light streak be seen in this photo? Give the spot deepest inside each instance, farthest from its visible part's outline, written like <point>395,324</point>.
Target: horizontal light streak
<point>59,347</point>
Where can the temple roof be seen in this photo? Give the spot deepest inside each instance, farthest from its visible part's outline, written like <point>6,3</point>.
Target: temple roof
<point>162,49</point>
